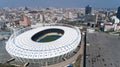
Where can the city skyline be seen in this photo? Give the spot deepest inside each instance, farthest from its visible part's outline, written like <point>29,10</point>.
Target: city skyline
<point>60,3</point>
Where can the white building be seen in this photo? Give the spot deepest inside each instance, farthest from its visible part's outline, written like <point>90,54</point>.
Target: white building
<point>115,19</point>
<point>112,27</point>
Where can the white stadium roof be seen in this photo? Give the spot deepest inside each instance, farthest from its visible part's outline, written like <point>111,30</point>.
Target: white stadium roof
<point>23,46</point>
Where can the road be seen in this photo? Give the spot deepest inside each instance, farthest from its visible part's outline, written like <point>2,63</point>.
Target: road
<point>4,56</point>
<point>103,50</point>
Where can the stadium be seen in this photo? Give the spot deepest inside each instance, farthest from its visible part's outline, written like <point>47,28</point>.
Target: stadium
<point>45,44</point>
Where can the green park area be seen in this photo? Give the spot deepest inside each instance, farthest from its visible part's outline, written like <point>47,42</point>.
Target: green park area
<point>6,65</point>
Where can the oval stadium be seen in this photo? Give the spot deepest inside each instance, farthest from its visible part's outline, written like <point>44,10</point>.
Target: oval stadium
<point>44,44</point>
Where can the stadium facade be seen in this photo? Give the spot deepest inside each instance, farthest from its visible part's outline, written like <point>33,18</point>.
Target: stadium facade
<point>47,44</point>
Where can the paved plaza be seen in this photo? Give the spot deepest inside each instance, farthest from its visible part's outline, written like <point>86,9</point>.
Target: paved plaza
<point>102,50</point>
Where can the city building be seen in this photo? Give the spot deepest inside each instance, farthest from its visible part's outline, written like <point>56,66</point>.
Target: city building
<point>118,13</point>
<point>2,24</point>
<point>88,10</point>
<point>70,16</point>
<point>114,19</point>
<point>111,27</point>
<point>24,22</point>
<point>108,27</point>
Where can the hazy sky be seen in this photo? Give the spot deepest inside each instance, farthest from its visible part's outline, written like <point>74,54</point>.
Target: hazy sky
<point>60,3</point>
